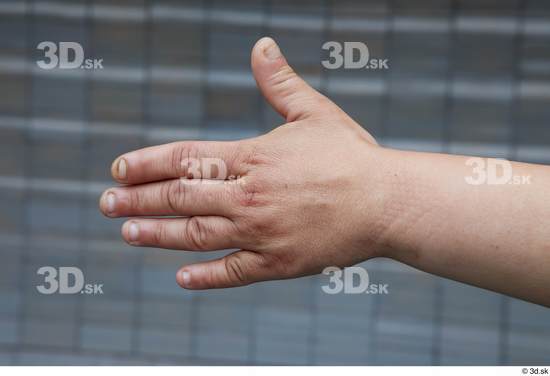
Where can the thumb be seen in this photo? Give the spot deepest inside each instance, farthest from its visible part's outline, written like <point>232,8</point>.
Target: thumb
<point>289,94</point>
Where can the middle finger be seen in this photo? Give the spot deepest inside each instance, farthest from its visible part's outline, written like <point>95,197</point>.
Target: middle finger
<point>181,197</point>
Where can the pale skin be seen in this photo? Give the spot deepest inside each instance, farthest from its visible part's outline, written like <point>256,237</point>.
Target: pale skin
<point>319,191</point>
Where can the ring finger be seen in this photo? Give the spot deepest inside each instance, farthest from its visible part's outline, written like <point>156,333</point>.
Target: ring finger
<point>200,233</point>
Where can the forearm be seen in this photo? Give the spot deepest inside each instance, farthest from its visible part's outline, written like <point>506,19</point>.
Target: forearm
<point>491,235</point>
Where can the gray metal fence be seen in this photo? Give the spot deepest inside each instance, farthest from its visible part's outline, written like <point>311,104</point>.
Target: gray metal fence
<point>465,76</point>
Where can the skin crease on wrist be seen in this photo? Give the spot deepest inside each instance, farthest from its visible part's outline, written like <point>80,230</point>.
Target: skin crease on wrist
<point>317,191</point>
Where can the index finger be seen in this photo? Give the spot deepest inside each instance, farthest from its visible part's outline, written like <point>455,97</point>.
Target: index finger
<point>192,159</point>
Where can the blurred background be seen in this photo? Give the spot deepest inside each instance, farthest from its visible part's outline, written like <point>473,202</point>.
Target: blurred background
<point>465,76</point>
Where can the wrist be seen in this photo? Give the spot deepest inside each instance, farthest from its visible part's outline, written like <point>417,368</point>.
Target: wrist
<point>394,201</point>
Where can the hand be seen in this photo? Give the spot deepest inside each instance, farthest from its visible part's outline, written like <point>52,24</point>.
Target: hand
<point>318,191</point>
<point>306,195</point>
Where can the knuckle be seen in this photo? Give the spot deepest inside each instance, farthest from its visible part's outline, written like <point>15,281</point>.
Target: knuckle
<point>250,153</point>
<point>235,268</point>
<point>196,233</point>
<point>277,264</point>
<point>135,200</point>
<point>257,213</point>
<point>249,192</point>
<point>181,154</point>
<point>265,225</point>
<point>159,234</point>
<point>174,195</point>
<point>283,79</point>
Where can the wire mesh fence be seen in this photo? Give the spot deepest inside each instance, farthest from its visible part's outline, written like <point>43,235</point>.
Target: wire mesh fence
<point>464,76</point>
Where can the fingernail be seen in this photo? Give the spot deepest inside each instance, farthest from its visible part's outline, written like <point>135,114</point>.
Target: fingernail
<point>110,200</point>
<point>121,169</point>
<point>186,277</point>
<point>133,232</point>
<point>272,51</point>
